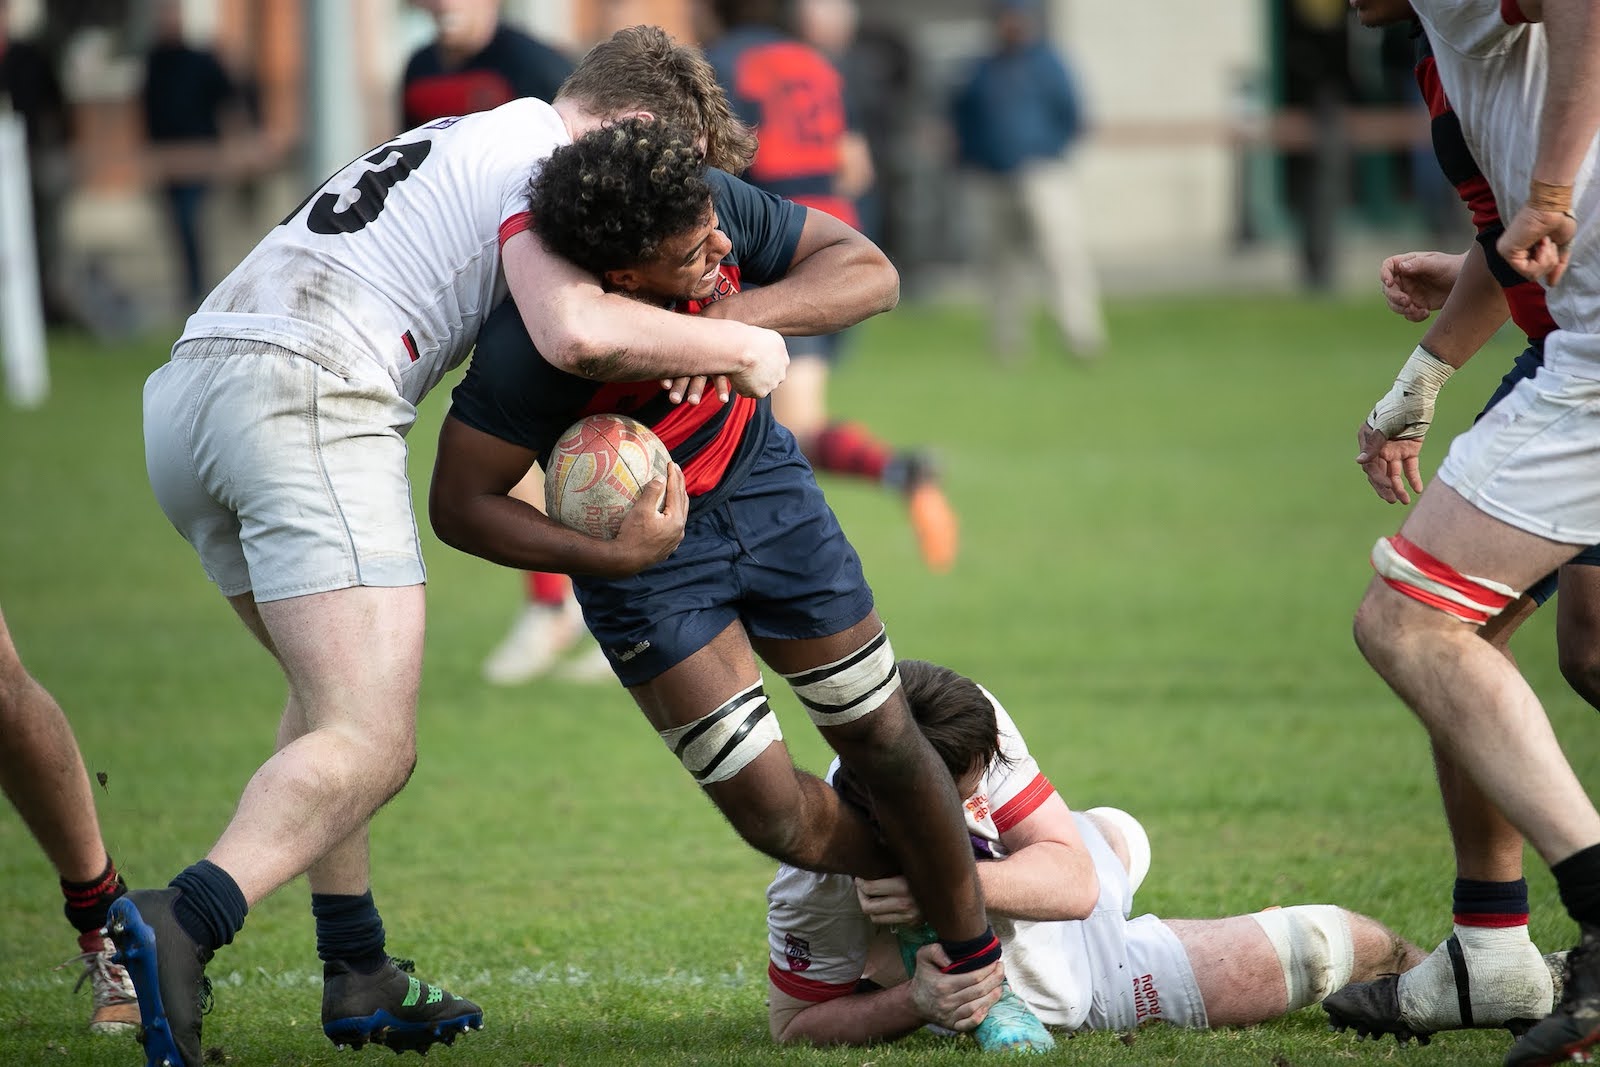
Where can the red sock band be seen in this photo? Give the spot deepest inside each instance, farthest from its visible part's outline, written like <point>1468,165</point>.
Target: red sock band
<point>550,589</point>
<point>849,448</point>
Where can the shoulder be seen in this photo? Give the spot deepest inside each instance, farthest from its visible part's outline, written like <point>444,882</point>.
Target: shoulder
<point>1474,28</point>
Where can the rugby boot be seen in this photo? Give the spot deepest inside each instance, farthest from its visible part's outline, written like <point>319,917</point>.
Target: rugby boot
<point>1493,980</point>
<point>168,973</point>
<point>1011,1026</point>
<point>115,1004</point>
<point>391,1007</point>
<point>933,520</point>
<point>1572,1031</point>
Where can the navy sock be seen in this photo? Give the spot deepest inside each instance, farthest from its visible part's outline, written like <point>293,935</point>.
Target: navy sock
<point>1578,879</point>
<point>88,902</point>
<point>971,955</point>
<point>349,929</point>
<point>1493,904</point>
<point>210,907</point>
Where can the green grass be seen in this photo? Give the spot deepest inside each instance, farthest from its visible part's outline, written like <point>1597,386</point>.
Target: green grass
<point>1162,554</point>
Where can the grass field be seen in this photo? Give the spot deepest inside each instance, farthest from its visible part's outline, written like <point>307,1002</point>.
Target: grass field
<point>1162,554</point>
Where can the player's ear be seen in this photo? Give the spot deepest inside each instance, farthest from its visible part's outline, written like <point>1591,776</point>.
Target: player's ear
<point>642,116</point>
<point>624,281</point>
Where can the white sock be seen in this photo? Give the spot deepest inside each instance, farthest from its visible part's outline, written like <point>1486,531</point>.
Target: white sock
<point>1507,979</point>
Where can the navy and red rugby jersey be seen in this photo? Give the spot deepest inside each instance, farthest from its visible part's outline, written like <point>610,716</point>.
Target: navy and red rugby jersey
<point>1525,298</point>
<point>511,65</point>
<point>795,99</point>
<point>512,392</point>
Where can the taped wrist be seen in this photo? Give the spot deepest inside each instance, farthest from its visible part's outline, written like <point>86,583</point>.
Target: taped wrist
<point>1406,411</point>
<point>1548,196</point>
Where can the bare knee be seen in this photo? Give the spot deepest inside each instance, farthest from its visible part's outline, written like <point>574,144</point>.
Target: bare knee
<point>1581,668</point>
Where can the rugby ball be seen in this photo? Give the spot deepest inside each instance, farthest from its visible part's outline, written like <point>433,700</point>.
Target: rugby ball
<point>596,471</point>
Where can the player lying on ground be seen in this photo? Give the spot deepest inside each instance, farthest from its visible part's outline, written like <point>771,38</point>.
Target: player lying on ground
<point>836,974</point>
<point>763,566</point>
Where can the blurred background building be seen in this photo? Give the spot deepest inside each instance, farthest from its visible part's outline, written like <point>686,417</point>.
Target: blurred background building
<point>1236,142</point>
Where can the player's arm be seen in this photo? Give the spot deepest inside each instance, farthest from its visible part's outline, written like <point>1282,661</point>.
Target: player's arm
<point>953,1001</point>
<point>1048,872</point>
<point>1389,442</point>
<point>1536,241</point>
<point>470,506</point>
<point>836,279</point>
<point>584,330</point>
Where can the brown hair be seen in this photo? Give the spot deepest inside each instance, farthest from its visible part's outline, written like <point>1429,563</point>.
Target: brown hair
<point>643,69</point>
<point>953,714</point>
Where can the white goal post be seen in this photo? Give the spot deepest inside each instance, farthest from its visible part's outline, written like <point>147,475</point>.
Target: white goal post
<point>22,345</point>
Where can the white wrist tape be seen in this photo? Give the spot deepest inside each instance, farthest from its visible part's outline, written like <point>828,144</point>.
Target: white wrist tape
<point>1406,411</point>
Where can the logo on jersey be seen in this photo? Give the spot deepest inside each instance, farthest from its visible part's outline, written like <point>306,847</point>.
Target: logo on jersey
<point>797,950</point>
<point>725,286</point>
<point>1146,1003</point>
<point>977,806</point>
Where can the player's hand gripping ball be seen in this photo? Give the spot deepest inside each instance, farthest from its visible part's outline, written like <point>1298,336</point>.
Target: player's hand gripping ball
<point>597,470</point>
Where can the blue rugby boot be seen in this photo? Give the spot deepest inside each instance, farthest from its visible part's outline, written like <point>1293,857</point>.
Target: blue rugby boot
<point>1011,1026</point>
<point>168,971</point>
<point>391,1007</point>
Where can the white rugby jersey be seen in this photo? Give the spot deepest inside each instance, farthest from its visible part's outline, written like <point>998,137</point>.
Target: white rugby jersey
<point>818,937</point>
<point>389,269</point>
<point>1493,65</point>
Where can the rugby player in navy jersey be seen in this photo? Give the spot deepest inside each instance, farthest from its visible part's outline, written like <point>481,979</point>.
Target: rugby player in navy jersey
<point>763,568</point>
<point>1489,972</point>
<point>476,63</point>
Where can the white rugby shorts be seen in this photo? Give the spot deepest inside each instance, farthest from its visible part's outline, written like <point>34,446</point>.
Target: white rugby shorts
<point>287,478</point>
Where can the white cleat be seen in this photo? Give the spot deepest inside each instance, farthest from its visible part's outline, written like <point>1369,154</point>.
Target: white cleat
<point>539,637</point>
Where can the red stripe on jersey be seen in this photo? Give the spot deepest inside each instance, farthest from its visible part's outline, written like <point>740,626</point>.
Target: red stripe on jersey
<point>411,345</point>
<point>1473,191</point>
<point>1530,311</point>
<point>1490,919</point>
<point>522,220</point>
<point>1023,804</point>
<point>1511,13</point>
<point>458,93</point>
<point>807,988</point>
<point>1447,575</point>
<point>1427,75</point>
<point>801,97</point>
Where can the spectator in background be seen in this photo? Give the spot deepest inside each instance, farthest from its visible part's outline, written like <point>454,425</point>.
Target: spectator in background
<point>29,86</point>
<point>188,98</point>
<point>811,153</point>
<point>1016,118</point>
<point>876,64</point>
<point>475,63</point>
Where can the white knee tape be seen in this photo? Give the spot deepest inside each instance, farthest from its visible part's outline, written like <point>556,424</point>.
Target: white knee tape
<point>846,689</point>
<point>1137,840</point>
<point>1314,948</point>
<point>717,746</point>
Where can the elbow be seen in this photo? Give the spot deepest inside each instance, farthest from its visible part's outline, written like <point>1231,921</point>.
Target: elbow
<point>885,285</point>
<point>446,521</point>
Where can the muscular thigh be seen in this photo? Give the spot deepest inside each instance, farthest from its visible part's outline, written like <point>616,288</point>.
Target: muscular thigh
<point>1477,543</point>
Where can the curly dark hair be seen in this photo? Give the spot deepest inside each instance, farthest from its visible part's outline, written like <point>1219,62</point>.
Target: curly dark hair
<point>608,200</point>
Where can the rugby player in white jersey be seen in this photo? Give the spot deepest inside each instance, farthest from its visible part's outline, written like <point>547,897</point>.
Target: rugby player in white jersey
<point>1059,888</point>
<point>1517,496</point>
<point>275,441</point>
